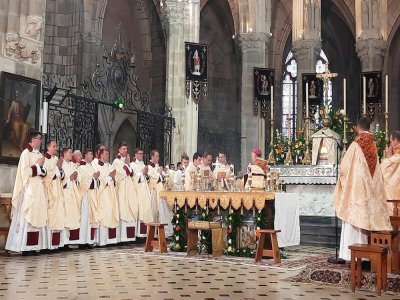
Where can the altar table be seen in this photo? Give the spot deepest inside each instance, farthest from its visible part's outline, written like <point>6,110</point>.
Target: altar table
<point>286,207</point>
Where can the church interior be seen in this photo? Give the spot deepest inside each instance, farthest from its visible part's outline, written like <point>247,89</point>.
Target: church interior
<point>267,100</point>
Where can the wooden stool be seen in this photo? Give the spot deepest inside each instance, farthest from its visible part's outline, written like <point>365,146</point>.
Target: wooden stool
<point>5,200</point>
<point>274,251</point>
<point>374,253</point>
<point>391,239</point>
<point>151,242</point>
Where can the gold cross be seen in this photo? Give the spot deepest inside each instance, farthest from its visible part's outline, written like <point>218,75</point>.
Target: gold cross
<point>326,76</point>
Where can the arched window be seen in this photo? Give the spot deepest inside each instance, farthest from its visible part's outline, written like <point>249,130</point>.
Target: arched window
<point>289,91</point>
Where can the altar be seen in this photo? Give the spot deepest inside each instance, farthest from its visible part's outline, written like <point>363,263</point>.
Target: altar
<point>269,209</point>
<point>314,184</point>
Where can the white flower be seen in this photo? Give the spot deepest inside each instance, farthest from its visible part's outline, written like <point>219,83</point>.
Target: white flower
<point>177,238</point>
<point>229,241</point>
<point>120,105</point>
<point>177,215</point>
<point>342,112</point>
<point>258,228</point>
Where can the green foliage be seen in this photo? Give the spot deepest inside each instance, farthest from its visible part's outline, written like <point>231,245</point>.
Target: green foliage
<point>178,223</point>
<point>233,223</point>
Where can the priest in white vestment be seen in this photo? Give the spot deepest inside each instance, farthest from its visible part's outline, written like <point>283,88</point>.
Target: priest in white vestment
<point>256,171</point>
<point>360,198</point>
<point>126,194</point>
<point>28,232</point>
<point>180,172</point>
<point>108,203</point>
<point>72,198</point>
<point>88,188</point>
<point>325,146</point>
<point>140,181</point>
<point>54,192</point>
<point>221,171</point>
<point>391,167</point>
<point>191,172</point>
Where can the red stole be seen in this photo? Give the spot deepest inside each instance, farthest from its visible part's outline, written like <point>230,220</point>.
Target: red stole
<point>367,144</point>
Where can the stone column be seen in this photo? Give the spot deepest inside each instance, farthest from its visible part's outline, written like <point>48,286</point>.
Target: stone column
<point>371,32</point>
<point>252,127</point>
<point>181,21</point>
<point>306,43</point>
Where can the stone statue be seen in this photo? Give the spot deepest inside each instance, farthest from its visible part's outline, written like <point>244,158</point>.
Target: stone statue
<point>324,145</point>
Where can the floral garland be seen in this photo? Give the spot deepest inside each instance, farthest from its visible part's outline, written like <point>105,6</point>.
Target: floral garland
<point>280,147</point>
<point>298,147</point>
<point>233,223</point>
<point>260,220</point>
<point>119,104</point>
<point>178,222</point>
<point>380,141</point>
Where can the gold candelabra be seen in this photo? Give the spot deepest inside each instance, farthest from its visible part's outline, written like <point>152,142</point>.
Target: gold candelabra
<point>307,156</point>
<point>386,133</point>
<point>345,141</point>
<point>271,156</point>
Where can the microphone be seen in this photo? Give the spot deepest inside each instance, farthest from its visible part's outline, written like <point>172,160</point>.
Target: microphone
<point>336,140</point>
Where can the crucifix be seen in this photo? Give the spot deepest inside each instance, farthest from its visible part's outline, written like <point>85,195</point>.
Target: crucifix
<point>326,76</point>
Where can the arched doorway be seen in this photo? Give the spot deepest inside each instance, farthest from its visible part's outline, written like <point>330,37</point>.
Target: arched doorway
<point>126,133</point>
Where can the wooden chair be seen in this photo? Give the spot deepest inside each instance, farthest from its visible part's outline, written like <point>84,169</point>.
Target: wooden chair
<point>273,251</point>
<point>374,253</point>
<point>151,242</point>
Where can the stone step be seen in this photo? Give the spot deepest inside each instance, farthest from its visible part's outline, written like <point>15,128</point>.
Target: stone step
<point>318,231</point>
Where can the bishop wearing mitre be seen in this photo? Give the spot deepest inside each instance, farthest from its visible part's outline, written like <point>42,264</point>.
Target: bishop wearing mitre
<point>140,180</point>
<point>27,232</point>
<point>88,188</point>
<point>191,172</point>
<point>256,171</point>
<point>108,202</point>
<point>54,193</point>
<point>391,167</point>
<point>126,194</point>
<point>359,197</point>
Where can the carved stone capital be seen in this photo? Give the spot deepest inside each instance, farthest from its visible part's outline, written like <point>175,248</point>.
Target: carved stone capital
<point>34,25</point>
<point>23,49</point>
<point>306,53</point>
<point>174,12</point>
<point>371,53</point>
<point>247,41</point>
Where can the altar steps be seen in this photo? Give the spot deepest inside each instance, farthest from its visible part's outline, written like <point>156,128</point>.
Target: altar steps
<point>318,231</point>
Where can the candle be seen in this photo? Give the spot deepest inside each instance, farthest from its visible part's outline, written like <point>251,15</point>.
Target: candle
<point>344,95</point>
<point>364,95</point>
<point>307,110</point>
<point>387,93</point>
<point>272,102</point>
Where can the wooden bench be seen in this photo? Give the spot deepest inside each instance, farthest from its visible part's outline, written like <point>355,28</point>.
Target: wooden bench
<point>151,242</point>
<point>374,253</point>
<point>271,252</point>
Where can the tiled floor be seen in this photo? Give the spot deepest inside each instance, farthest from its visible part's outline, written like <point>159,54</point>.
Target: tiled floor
<point>118,273</point>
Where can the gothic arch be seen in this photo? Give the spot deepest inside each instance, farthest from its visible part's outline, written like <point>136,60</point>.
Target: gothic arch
<point>126,133</point>
<point>233,4</point>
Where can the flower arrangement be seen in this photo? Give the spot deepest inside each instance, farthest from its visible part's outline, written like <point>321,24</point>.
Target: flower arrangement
<point>280,147</point>
<point>380,141</point>
<point>119,104</point>
<point>298,147</point>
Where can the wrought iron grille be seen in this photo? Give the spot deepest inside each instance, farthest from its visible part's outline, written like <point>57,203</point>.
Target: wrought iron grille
<point>72,121</point>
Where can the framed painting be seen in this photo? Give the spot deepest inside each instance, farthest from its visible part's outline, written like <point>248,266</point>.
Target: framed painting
<point>19,112</point>
<point>373,88</point>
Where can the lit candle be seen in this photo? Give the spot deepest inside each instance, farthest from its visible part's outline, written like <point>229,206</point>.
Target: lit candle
<point>364,95</point>
<point>344,95</point>
<point>272,102</point>
<point>307,110</point>
<point>387,93</point>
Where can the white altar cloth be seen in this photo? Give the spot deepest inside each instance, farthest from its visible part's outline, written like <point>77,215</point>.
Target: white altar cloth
<point>287,219</point>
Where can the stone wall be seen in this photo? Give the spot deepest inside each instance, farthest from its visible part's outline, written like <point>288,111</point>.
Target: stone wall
<point>21,49</point>
<point>219,115</point>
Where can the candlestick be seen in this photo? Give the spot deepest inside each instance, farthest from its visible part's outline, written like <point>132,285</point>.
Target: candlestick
<point>345,120</point>
<point>344,96</point>
<point>307,109</point>
<point>364,95</point>
<point>386,93</point>
<point>271,156</point>
<point>272,101</point>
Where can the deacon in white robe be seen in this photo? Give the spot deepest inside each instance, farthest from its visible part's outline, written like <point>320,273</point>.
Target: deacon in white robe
<point>191,172</point>
<point>56,234</point>
<point>161,211</point>
<point>89,184</point>
<point>126,194</point>
<point>27,232</point>
<point>108,203</point>
<point>140,180</point>
<point>180,172</point>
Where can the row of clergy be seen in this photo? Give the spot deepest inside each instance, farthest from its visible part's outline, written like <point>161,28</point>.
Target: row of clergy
<point>364,186</point>
<point>86,200</point>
